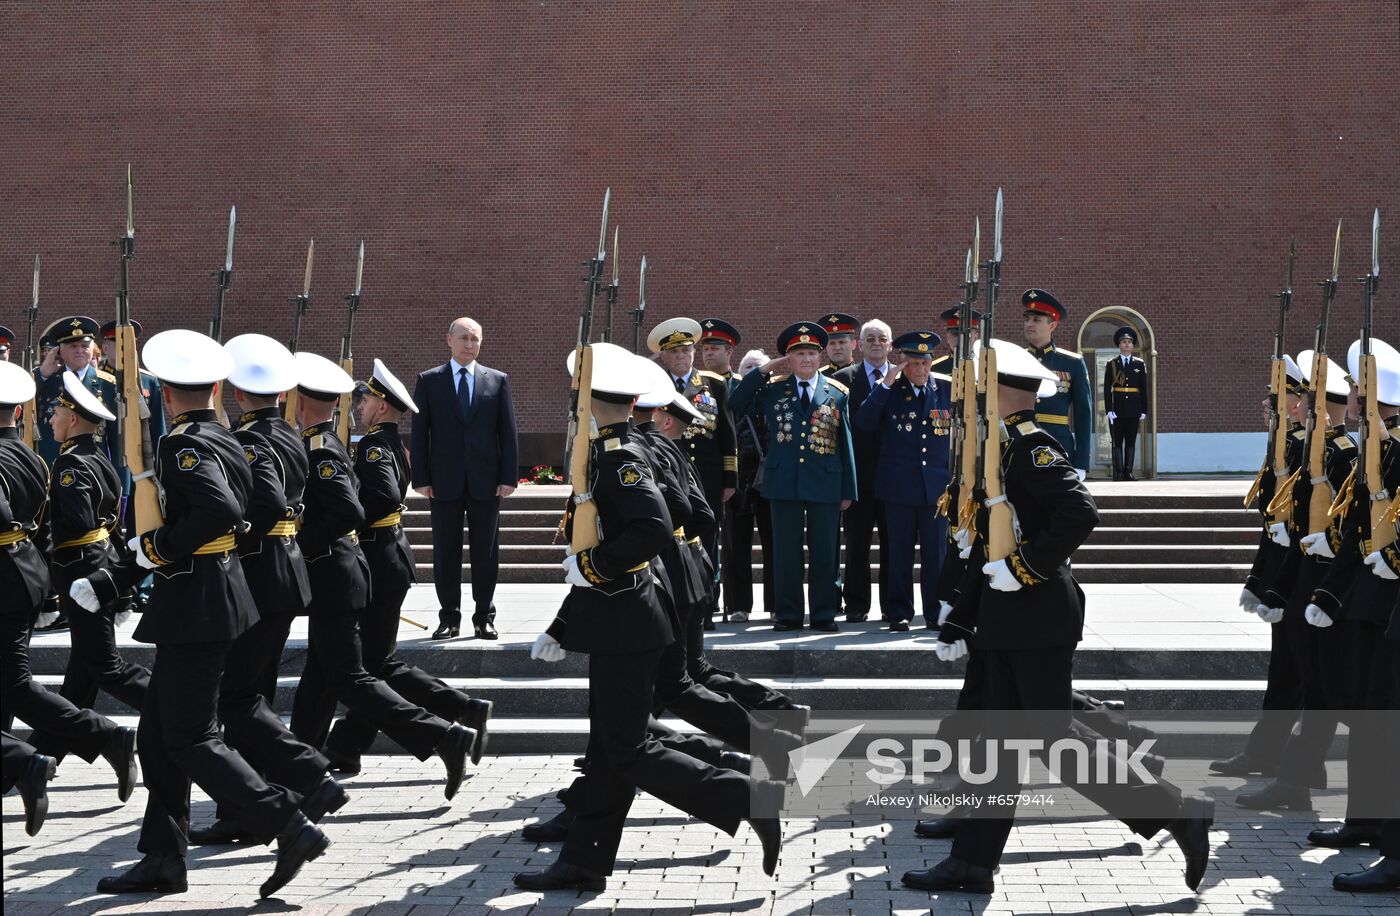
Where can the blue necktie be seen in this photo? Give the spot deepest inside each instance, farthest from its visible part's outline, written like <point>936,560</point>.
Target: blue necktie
<point>464,390</point>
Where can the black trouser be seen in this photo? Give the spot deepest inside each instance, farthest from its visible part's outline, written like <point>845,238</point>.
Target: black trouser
<point>1374,747</point>
<point>1283,698</point>
<point>1123,432</point>
<point>1322,655</point>
<point>95,663</point>
<point>484,540</point>
<point>336,671</point>
<point>1037,682</point>
<point>379,639</point>
<point>58,726</point>
<point>14,760</point>
<point>742,515</point>
<point>250,725</point>
<point>859,521</point>
<point>623,758</point>
<point>713,486</point>
<point>179,742</point>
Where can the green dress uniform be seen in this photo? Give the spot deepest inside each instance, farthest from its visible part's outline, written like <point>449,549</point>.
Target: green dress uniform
<point>809,469</point>
<point>1065,414</point>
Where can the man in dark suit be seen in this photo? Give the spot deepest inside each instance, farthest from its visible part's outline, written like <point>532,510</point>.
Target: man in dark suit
<point>868,512</point>
<point>1124,401</point>
<point>464,449</point>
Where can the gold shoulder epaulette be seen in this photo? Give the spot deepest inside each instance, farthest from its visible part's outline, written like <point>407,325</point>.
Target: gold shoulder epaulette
<point>611,444</point>
<point>1074,353</point>
<point>777,377</point>
<point>839,386</point>
<point>1026,427</point>
<point>106,376</point>
<point>317,441</point>
<point>1345,442</point>
<point>180,430</point>
<point>705,373</point>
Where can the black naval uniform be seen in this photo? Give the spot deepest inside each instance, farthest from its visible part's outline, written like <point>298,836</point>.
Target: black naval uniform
<point>84,496</point>
<point>1125,395</point>
<point>340,590</point>
<point>1027,639</point>
<point>382,469</point>
<point>200,604</point>
<point>24,581</point>
<point>713,447</point>
<point>623,625</point>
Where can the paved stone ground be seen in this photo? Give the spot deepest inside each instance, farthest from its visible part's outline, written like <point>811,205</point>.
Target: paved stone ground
<point>398,848</point>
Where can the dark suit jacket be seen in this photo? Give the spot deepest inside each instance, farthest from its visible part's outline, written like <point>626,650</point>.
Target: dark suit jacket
<point>865,441</point>
<point>463,455</point>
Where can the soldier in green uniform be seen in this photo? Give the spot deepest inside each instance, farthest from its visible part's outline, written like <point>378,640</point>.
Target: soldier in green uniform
<point>841,330</point>
<point>945,364</point>
<point>809,474</point>
<point>73,338</point>
<point>1065,414</point>
<point>710,442</point>
<point>718,338</point>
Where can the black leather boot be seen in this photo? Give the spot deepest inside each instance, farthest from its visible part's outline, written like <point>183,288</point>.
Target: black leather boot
<point>1345,836</point>
<point>326,797</point>
<point>33,788</point>
<point>477,716</point>
<point>298,843</point>
<point>952,875</point>
<point>561,877</point>
<point>1383,877</point>
<point>121,754</point>
<point>1243,765</point>
<point>454,749</point>
<point>554,830</point>
<point>152,875</point>
<point>223,832</point>
<point>1277,795</point>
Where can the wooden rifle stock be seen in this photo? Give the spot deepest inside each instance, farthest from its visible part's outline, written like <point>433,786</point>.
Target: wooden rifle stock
<point>144,495</point>
<point>1001,534</point>
<point>966,517</point>
<point>289,407</point>
<point>584,533</point>
<point>1382,531</point>
<point>1320,498</point>
<point>1276,461</point>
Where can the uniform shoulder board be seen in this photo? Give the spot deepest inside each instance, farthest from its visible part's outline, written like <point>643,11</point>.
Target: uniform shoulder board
<point>180,430</point>
<point>631,473</point>
<point>839,386</point>
<point>705,373</point>
<point>1073,353</point>
<point>611,444</point>
<point>1026,427</point>
<point>1300,434</point>
<point>777,377</point>
<point>1345,442</point>
<point>1044,456</point>
<point>317,441</point>
<point>106,376</point>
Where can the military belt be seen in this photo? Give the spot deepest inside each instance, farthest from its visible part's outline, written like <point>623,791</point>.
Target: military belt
<point>95,536</point>
<point>388,521</point>
<point>10,538</point>
<point>219,545</point>
<point>1056,418</point>
<point>283,529</point>
<point>1127,390</point>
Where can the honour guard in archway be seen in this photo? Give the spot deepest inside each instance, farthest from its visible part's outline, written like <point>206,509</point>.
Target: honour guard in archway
<point>1124,401</point>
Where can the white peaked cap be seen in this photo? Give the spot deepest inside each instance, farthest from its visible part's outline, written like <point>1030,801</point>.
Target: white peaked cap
<point>1014,359</point>
<point>16,385</point>
<point>382,382</point>
<point>1336,378</point>
<point>88,403</point>
<point>1290,368</point>
<point>316,373</point>
<point>1387,369</point>
<point>261,365</point>
<point>183,357</point>
<point>663,392</point>
<point>615,371</point>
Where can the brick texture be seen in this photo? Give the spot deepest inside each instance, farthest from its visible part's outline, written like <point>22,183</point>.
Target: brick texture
<point>773,161</point>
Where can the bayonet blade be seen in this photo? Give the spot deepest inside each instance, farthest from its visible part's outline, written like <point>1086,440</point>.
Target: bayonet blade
<point>603,231</point>
<point>976,244</point>
<point>1376,243</point>
<point>642,287</point>
<point>617,261</point>
<point>1337,253</point>
<point>360,267</point>
<point>996,245</point>
<point>1292,254</point>
<point>306,282</point>
<point>228,251</point>
<point>34,299</point>
<point>967,267</point>
<point>130,210</point>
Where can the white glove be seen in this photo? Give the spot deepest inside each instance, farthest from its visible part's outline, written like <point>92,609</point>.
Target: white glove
<point>1278,533</point>
<point>950,652</point>
<point>1000,577</point>
<point>964,553</point>
<point>1081,474</point>
<point>547,649</point>
<point>573,575</point>
<point>1112,417</point>
<point>1378,567</point>
<point>1269,614</point>
<point>944,609</point>
<point>963,538</point>
<point>1315,545</point>
<point>142,560</point>
<point>1249,601</point>
<point>1317,616</point>
<point>121,618</point>
<point>82,592</point>
<point>1142,416</point>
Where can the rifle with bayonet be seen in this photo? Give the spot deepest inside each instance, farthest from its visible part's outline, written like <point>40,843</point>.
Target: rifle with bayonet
<point>30,356</point>
<point>957,503</point>
<point>134,448</point>
<point>222,278</point>
<point>639,312</point>
<point>1001,535</point>
<point>584,531</point>
<point>613,289</point>
<point>1320,497</point>
<point>1371,430</point>
<point>1274,470</point>
<point>289,407</point>
<point>347,358</point>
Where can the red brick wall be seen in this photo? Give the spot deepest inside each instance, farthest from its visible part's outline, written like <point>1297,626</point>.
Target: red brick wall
<point>772,160</point>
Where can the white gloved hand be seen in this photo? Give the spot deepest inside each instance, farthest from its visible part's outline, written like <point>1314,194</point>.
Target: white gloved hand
<point>964,553</point>
<point>122,617</point>
<point>1112,417</point>
<point>1142,416</point>
<point>1317,616</point>
<point>944,609</point>
<point>1269,614</point>
<point>1278,533</point>
<point>963,538</point>
<point>1315,545</point>
<point>1081,474</point>
<point>547,649</point>
<point>1000,577</point>
<point>142,560</point>
<point>82,592</point>
<point>950,652</point>
<point>1249,601</point>
<point>573,575</point>
<point>1379,567</point>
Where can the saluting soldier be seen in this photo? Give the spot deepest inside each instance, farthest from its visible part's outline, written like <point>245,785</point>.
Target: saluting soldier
<point>1125,400</point>
<point>84,500</point>
<point>809,476</point>
<point>200,604</point>
<point>24,580</point>
<point>340,590</point>
<point>909,410</point>
<point>840,341</point>
<point>711,442</point>
<point>382,470</point>
<point>277,579</point>
<point>73,338</point>
<point>1028,616</point>
<point>616,616</point>
<point>1066,413</point>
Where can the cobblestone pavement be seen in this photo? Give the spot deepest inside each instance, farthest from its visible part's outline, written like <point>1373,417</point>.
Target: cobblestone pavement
<point>398,848</point>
